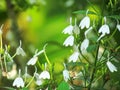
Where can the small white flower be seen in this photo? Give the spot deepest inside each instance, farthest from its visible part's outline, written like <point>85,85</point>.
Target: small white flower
<point>69,41</point>
<point>32,61</point>
<point>76,29</point>
<point>85,22</point>
<point>66,75</point>
<point>68,29</point>
<point>44,75</point>
<point>74,57</point>
<point>18,82</point>
<point>118,27</point>
<point>104,29</point>
<point>111,67</point>
<point>38,80</point>
<point>84,45</point>
<point>20,51</point>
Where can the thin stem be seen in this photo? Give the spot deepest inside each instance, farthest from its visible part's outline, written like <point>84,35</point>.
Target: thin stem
<point>0,53</point>
<point>94,69</point>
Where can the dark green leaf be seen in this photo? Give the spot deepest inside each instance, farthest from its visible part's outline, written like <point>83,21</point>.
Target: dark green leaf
<point>114,17</point>
<point>91,48</point>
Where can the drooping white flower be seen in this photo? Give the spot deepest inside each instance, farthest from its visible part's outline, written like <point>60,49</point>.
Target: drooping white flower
<point>18,82</point>
<point>66,75</point>
<point>111,67</point>
<point>69,41</point>
<point>85,22</point>
<point>38,80</point>
<point>32,61</point>
<point>44,75</point>
<point>104,29</point>
<point>84,45</point>
<point>20,51</point>
<point>68,29</point>
<point>74,57</point>
<point>76,29</point>
<point>118,27</point>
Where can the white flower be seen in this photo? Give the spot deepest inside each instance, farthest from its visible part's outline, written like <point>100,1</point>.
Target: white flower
<point>32,61</point>
<point>1,30</point>
<point>118,27</point>
<point>44,75</point>
<point>84,45</point>
<point>69,41</point>
<point>111,67</point>
<point>18,82</point>
<point>68,30</point>
<point>66,75</point>
<point>76,29</point>
<point>38,80</point>
<point>104,29</point>
<point>85,22</point>
<point>74,57</point>
<point>20,51</point>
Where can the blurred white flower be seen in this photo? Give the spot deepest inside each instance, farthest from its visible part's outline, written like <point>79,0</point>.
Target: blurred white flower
<point>85,22</point>
<point>18,82</point>
<point>74,57</point>
<point>111,67</point>
<point>44,75</point>
<point>84,45</point>
<point>1,30</point>
<point>66,75</point>
<point>12,74</point>
<point>32,61</point>
<point>20,51</point>
<point>104,29</point>
<point>68,29</point>
<point>118,27</point>
<point>69,41</point>
<point>76,29</point>
<point>38,80</point>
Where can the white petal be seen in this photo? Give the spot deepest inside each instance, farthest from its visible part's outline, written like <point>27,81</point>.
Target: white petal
<point>32,61</point>
<point>85,22</point>
<point>18,82</point>
<point>69,41</point>
<point>111,67</point>
<point>86,32</point>
<point>84,45</point>
<point>104,29</point>
<point>74,57</point>
<point>66,75</point>
<point>20,51</point>
<point>118,27</point>
<point>68,30</point>
<point>44,75</point>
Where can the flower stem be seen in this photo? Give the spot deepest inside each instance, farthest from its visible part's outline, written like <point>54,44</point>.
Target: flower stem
<point>94,69</point>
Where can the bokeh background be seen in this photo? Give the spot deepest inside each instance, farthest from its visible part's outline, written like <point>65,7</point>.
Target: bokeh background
<point>37,22</point>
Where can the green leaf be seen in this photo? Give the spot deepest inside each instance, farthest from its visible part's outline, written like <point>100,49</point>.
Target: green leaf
<point>84,12</point>
<point>91,48</point>
<point>63,86</point>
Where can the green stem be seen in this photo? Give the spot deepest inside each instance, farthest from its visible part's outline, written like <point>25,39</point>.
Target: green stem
<point>94,69</point>
<point>48,61</point>
<point>0,53</point>
<point>39,65</point>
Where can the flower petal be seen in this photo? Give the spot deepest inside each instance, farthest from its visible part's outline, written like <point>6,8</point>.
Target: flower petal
<point>69,41</point>
<point>111,67</point>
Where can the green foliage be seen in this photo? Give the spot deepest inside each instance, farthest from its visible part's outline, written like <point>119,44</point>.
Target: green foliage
<point>63,86</point>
